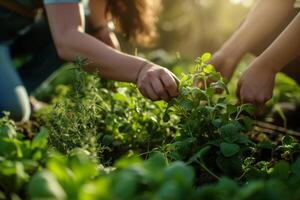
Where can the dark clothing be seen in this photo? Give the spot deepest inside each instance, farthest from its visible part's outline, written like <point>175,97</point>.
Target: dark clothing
<point>15,85</point>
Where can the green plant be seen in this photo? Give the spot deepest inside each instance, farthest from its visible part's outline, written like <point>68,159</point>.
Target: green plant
<point>106,118</point>
<point>107,142</point>
<point>210,126</point>
<point>19,158</point>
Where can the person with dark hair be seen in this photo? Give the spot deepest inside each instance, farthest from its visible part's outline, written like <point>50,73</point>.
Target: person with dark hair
<point>61,36</point>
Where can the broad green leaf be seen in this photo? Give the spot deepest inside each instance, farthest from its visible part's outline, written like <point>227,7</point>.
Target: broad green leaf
<point>156,162</point>
<point>281,170</point>
<point>197,157</point>
<point>219,85</point>
<point>186,104</point>
<point>98,189</point>
<point>248,122</point>
<point>287,140</point>
<point>40,140</point>
<point>120,97</point>
<point>127,161</point>
<point>229,185</point>
<point>169,190</point>
<point>43,185</point>
<point>231,109</point>
<point>231,166</point>
<point>229,149</point>
<point>248,108</point>
<point>205,57</point>
<point>180,173</point>
<point>230,132</point>
<point>296,167</point>
<point>124,185</point>
<point>7,131</point>
<point>208,69</point>
<point>217,122</point>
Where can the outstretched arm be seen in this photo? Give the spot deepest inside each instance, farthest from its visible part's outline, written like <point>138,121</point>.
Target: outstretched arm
<point>67,27</point>
<point>256,84</point>
<point>262,25</point>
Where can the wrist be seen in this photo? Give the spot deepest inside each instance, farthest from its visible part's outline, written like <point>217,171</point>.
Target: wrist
<point>143,67</point>
<point>267,64</point>
<point>232,53</point>
<point>263,67</point>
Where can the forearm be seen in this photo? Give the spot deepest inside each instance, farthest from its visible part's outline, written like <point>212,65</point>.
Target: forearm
<point>266,17</point>
<point>67,27</point>
<point>109,63</point>
<point>284,49</point>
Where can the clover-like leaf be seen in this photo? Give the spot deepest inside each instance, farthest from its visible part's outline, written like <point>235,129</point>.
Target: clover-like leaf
<point>205,57</point>
<point>219,85</point>
<point>230,132</point>
<point>186,104</point>
<point>287,140</point>
<point>208,69</point>
<point>229,149</point>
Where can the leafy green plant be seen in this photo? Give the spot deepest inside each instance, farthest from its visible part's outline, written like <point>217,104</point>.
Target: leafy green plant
<point>79,178</point>
<point>210,126</point>
<point>106,118</point>
<point>19,158</point>
<point>107,142</point>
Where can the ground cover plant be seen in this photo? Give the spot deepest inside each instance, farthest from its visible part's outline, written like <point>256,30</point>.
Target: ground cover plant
<point>102,140</point>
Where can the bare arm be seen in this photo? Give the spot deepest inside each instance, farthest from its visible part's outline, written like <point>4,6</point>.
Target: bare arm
<point>256,84</point>
<point>262,25</point>
<point>67,27</point>
<point>284,49</point>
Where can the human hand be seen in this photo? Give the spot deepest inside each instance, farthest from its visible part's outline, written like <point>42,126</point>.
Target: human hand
<point>223,64</point>
<point>157,83</point>
<point>256,85</point>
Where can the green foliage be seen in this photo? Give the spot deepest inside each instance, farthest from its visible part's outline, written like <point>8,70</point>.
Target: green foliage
<point>19,158</point>
<point>208,119</point>
<point>106,118</point>
<point>102,140</point>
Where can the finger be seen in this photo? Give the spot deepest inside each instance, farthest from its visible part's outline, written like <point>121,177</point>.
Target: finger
<point>169,84</point>
<point>143,92</point>
<point>159,89</point>
<point>246,97</point>
<point>151,94</point>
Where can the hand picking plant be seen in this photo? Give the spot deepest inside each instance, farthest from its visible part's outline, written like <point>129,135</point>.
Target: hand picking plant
<point>106,118</point>
<point>210,127</point>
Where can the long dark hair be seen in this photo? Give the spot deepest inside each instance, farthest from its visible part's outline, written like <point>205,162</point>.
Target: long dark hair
<point>135,18</point>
